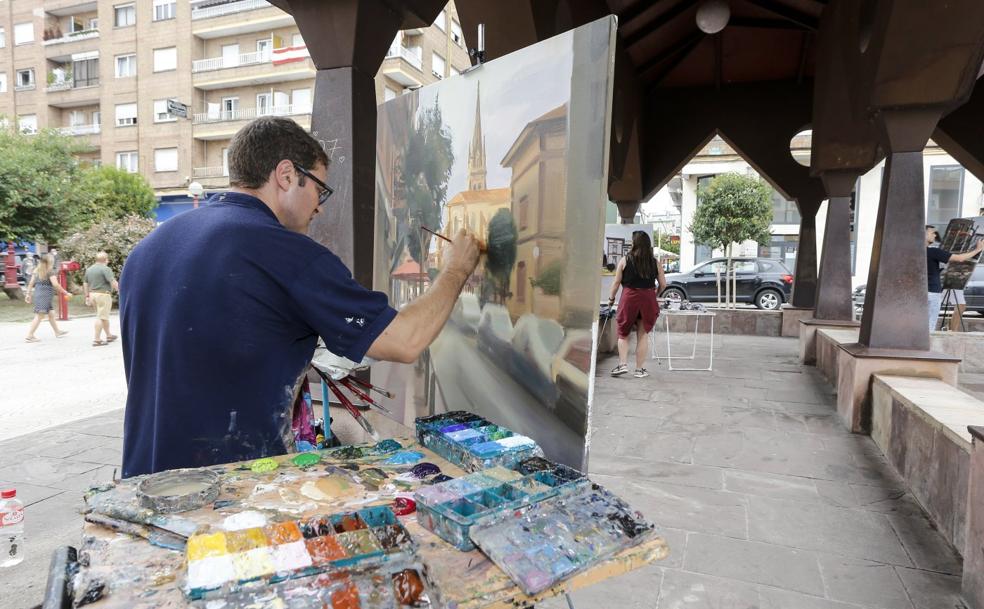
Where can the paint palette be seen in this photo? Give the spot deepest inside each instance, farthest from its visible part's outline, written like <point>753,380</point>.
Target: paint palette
<point>473,443</point>
<point>451,508</point>
<point>559,537</point>
<point>294,549</point>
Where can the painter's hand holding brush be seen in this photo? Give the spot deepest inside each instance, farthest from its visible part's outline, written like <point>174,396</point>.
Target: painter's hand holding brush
<point>466,249</point>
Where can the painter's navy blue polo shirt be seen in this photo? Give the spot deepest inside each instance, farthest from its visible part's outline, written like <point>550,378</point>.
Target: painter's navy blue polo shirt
<point>220,310</point>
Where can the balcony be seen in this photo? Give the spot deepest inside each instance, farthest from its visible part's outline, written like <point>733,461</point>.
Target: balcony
<point>209,172</point>
<point>79,130</point>
<point>223,125</point>
<point>215,20</point>
<point>70,93</point>
<point>72,37</point>
<point>404,65</point>
<point>220,63</point>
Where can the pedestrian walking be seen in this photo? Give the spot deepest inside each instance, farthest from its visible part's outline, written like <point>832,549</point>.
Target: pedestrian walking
<point>98,286</point>
<point>637,274</point>
<point>41,289</point>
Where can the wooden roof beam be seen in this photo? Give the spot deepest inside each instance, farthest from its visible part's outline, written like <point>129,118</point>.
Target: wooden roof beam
<point>787,13</point>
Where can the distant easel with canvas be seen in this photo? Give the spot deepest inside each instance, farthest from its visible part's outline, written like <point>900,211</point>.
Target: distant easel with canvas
<point>961,236</point>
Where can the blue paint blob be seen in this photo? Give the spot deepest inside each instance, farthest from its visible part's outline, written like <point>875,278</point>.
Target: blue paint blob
<point>386,446</point>
<point>405,458</point>
<point>422,470</point>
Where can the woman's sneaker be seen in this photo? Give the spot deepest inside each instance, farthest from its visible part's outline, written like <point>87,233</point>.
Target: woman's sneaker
<point>620,370</point>
<point>641,373</point>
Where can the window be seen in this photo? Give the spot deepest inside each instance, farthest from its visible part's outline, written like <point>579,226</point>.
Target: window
<point>230,108</point>
<point>521,282</point>
<point>3,37</point>
<point>97,118</point>
<point>456,34</point>
<point>85,72</point>
<point>76,118</point>
<point>94,23</point>
<point>24,33</point>
<point>126,65</point>
<point>454,72</point>
<point>783,211</point>
<point>28,123</point>
<point>296,40</point>
<point>126,115</point>
<point>524,212</point>
<point>230,55</point>
<point>225,161</point>
<point>25,79</point>
<point>437,65</point>
<point>127,161</point>
<point>782,248</point>
<point>161,115</point>
<point>163,10</point>
<point>3,82</point>
<point>945,195</point>
<point>301,100</point>
<point>442,21</point>
<point>264,103</point>
<point>264,47</point>
<point>165,159</point>
<point>165,59</point>
<point>124,15</point>
<point>388,94</point>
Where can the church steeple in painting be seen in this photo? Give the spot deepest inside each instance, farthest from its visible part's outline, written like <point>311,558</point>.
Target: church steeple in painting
<point>476,149</point>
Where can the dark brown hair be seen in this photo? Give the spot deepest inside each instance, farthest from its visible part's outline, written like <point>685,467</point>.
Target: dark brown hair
<point>642,254</point>
<point>258,147</point>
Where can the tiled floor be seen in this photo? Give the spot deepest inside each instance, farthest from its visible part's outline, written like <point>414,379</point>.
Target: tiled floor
<point>765,500</point>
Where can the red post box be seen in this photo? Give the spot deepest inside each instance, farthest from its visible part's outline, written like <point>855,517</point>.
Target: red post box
<point>10,269</point>
<point>63,270</point>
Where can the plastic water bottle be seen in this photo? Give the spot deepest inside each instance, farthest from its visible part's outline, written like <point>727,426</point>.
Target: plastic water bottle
<point>11,529</point>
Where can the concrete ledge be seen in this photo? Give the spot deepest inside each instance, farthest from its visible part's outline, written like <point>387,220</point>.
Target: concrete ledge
<point>753,322</point>
<point>808,336</point>
<point>856,364</point>
<point>968,346</point>
<point>791,318</point>
<point>828,342</point>
<point>973,568</point>
<point>920,424</point>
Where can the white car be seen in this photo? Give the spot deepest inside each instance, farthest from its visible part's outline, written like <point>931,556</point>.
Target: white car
<point>466,313</point>
<point>534,343</point>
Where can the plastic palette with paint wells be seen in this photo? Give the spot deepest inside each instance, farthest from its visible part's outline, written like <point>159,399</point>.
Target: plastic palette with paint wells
<point>392,585</point>
<point>473,443</point>
<point>559,537</point>
<point>285,550</point>
<point>451,508</point>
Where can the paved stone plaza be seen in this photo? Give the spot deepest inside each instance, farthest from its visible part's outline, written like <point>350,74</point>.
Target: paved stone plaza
<point>765,500</point>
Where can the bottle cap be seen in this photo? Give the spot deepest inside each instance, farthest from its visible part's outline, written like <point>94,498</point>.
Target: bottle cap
<point>8,493</point>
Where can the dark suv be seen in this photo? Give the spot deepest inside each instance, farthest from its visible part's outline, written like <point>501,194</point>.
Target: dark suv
<point>763,282</point>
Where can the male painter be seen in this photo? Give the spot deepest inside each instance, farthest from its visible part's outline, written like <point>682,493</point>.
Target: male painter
<point>221,308</point>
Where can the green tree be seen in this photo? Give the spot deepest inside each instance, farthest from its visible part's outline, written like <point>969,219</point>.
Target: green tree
<point>40,194</point>
<point>115,236</point>
<point>501,256</point>
<point>112,193</point>
<point>550,279</point>
<point>731,209</point>
<point>424,178</point>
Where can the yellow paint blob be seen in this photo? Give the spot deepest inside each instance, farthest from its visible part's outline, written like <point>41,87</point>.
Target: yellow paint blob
<point>203,546</point>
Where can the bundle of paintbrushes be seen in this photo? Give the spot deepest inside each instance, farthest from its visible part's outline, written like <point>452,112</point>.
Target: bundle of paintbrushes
<point>473,443</point>
<point>348,547</point>
<point>360,389</point>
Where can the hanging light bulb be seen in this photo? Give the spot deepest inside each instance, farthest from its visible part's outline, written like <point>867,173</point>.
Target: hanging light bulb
<point>713,15</point>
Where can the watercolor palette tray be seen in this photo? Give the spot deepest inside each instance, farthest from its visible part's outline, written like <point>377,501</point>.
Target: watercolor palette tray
<point>226,560</point>
<point>473,443</point>
<point>451,508</point>
<point>391,586</point>
<point>559,537</point>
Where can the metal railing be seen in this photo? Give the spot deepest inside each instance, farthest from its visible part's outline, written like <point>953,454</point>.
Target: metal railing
<point>241,114</point>
<point>73,36</point>
<point>411,56</point>
<point>79,129</point>
<point>227,9</point>
<point>69,83</point>
<point>219,63</point>
<point>209,172</point>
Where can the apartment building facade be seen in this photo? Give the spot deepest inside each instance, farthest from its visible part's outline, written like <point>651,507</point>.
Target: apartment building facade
<point>104,70</point>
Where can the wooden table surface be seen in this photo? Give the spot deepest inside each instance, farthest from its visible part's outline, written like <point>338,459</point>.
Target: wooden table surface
<point>135,573</point>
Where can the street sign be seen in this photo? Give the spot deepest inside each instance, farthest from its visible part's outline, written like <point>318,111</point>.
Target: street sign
<point>177,108</point>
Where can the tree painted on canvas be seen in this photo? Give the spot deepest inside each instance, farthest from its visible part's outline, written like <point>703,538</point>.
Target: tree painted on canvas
<point>424,178</point>
<point>732,208</point>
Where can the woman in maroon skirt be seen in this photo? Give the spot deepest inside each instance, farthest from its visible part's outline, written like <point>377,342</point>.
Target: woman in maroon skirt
<point>638,308</point>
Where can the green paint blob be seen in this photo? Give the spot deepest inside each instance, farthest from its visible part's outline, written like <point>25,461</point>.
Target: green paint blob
<point>263,465</point>
<point>306,459</point>
<point>386,446</point>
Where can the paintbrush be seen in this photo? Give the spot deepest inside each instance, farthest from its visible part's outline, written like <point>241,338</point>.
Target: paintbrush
<point>370,387</point>
<point>348,405</point>
<point>481,244</point>
<point>362,395</point>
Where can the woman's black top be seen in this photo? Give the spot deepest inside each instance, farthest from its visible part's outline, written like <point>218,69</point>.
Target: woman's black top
<point>632,279</point>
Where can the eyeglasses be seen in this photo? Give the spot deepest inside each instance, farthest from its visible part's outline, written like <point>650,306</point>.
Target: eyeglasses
<point>326,191</point>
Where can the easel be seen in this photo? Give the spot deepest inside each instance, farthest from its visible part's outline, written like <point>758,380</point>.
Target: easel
<point>946,311</point>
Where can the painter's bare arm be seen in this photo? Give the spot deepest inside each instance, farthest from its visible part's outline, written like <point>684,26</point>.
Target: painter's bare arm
<point>617,282</point>
<point>418,324</point>
<point>968,255</point>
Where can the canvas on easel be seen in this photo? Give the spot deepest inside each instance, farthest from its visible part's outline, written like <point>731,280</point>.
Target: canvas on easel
<point>961,236</point>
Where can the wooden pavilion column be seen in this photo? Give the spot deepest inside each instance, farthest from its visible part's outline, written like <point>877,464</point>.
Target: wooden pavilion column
<point>896,311</point>
<point>834,277</point>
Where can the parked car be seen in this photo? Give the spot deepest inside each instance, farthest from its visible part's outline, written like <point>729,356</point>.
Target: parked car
<point>495,331</point>
<point>535,341</point>
<point>760,281</point>
<point>466,313</point>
